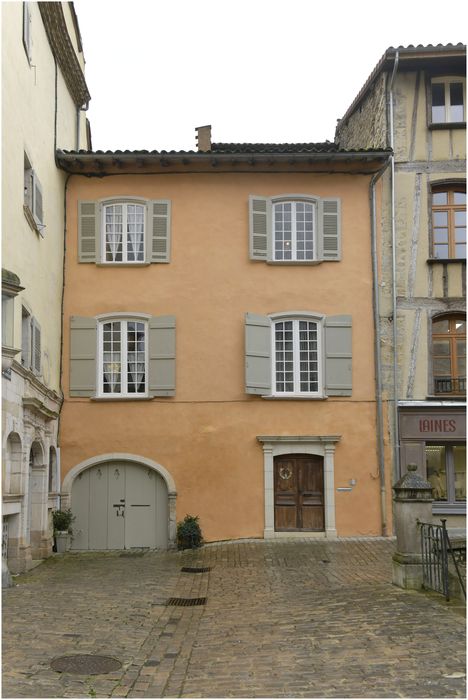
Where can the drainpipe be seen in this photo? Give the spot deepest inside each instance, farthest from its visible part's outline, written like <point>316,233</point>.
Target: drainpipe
<point>377,352</point>
<point>396,433</point>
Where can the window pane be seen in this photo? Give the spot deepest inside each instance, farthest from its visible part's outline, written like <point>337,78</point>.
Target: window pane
<point>460,235</point>
<point>460,327</point>
<point>459,459</point>
<point>440,218</point>
<point>441,347</point>
<point>442,366</point>
<point>436,471</point>
<point>459,197</point>
<point>441,251</point>
<point>460,251</point>
<point>438,102</point>
<point>456,102</point>
<point>439,198</point>
<point>460,218</point>
<point>441,326</point>
<point>440,235</point>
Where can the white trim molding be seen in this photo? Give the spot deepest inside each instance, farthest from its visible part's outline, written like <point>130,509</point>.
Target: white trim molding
<point>322,445</point>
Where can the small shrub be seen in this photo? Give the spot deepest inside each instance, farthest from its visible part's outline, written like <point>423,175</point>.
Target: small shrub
<point>189,535</point>
<point>62,520</point>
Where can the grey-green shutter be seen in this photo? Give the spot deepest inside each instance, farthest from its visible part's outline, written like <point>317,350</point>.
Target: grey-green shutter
<point>36,347</point>
<point>88,232</point>
<point>83,350</point>
<point>330,228</point>
<point>162,354</point>
<point>158,242</point>
<point>259,227</point>
<point>338,356</point>
<point>257,354</point>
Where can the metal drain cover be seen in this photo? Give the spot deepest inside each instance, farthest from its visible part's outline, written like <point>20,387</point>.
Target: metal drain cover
<point>85,664</point>
<point>186,601</point>
<point>195,569</point>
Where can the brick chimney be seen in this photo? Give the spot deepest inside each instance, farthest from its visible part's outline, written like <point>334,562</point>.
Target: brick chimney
<point>204,138</point>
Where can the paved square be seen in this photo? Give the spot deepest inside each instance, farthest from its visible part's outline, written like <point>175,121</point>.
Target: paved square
<point>292,618</point>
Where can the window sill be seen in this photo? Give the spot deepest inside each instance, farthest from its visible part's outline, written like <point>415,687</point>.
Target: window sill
<point>121,398</point>
<point>31,221</point>
<point>449,508</point>
<point>123,264</point>
<point>446,125</point>
<point>432,261</point>
<point>295,397</point>
<point>295,263</point>
<point>446,397</point>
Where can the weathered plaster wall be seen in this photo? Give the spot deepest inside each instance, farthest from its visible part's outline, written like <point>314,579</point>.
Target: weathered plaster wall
<point>206,435</point>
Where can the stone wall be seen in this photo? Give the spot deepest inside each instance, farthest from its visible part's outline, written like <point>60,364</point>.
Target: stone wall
<point>366,127</point>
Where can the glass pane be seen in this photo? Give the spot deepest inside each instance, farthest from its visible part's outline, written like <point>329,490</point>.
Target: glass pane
<point>441,251</point>
<point>459,460</point>
<point>440,235</point>
<point>461,348</point>
<point>439,198</point>
<point>460,218</point>
<point>436,471</point>
<point>456,102</point>
<point>460,251</point>
<point>460,235</point>
<point>460,327</point>
<point>459,197</point>
<point>438,95</point>
<point>441,326</point>
<point>442,365</point>
<point>441,347</point>
<point>440,218</point>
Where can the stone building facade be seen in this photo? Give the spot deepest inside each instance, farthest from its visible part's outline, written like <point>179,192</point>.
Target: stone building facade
<point>419,94</point>
<point>44,98</point>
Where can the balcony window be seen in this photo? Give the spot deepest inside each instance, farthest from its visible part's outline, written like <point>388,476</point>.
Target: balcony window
<point>449,355</point>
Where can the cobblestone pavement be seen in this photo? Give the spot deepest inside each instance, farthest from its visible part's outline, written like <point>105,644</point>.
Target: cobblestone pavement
<point>292,618</point>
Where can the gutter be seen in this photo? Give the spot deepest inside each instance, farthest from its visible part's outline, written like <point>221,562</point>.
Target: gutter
<point>377,352</point>
<point>396,432</point>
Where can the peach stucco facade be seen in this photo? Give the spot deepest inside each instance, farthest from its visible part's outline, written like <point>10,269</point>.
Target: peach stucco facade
<point>205,436</point>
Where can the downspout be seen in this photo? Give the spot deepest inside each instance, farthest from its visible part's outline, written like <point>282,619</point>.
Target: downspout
<point>396,432</point>
<point>377,352</point>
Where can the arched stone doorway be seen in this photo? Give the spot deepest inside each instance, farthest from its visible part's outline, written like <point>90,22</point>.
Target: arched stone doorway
<point>120,502</point>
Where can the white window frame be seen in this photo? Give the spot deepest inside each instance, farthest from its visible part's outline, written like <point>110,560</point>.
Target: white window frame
<point>294,200</point>
<point>121,318</point>
<point>296,318</point>
<point>447,81</point>
<point>124,203</point>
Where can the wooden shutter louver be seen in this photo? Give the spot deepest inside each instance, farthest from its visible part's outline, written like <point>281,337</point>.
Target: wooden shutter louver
<point>257,354</point>
<point>36,347</point>
<point>258,227</point>
<point>88,232</point>
<point>338,356</point>
<point>83,349</point>
<point>331,229</point>
<point>159,227</point>
<point>37,202</point>
<point>162,355</point>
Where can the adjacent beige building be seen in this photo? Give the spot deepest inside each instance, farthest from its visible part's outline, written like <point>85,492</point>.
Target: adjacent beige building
<point>415,102</point>
<point>44,98</point>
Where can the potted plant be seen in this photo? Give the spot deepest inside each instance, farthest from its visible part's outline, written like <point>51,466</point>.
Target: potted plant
<point>62,520</point>
<point>189,533</point>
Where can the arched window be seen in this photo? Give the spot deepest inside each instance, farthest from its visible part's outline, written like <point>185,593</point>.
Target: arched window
<point>449,354</point>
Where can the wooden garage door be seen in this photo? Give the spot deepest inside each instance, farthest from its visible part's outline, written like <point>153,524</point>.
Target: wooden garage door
<point>119,506</point>
<point>299,499</point>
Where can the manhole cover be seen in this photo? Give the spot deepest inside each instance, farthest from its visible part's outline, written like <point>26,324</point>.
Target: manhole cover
<point>195,569</point>
<point>186,601</point>
<point>85,664</point>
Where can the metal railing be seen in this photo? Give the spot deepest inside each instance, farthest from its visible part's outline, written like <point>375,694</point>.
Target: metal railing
<point>455,385</point>
<point>437,551</point>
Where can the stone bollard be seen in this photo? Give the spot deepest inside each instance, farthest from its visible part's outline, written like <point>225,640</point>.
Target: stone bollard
<point>413,503</point>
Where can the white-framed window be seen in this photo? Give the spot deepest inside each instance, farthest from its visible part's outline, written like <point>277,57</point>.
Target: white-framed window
<point>294,226</point>
<point>31,353</point>
<point>297,357</point>
<point>123,229</point>
<point>448,100</point>
<point>123,357</point>
<point>33,198</point>
<point>299,229</point>
<point>27,29</point>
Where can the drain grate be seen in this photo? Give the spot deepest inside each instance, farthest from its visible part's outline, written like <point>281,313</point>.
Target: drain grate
<point>195,569</point>
<point>85,664</point>
<point>186,601</point>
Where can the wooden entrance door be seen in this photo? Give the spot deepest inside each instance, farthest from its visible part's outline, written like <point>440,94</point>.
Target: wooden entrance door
<point>299,501</point>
